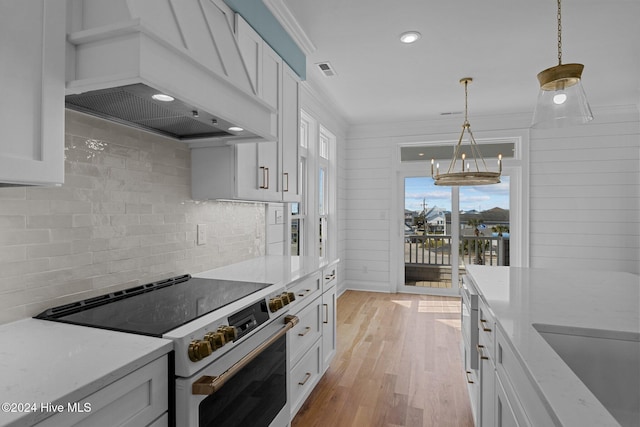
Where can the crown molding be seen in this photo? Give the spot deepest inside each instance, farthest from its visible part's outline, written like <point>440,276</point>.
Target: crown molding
<point>284,16</point>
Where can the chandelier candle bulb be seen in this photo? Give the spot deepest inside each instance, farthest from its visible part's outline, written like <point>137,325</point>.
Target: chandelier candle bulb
<point>500,163</point>
<point>432,167</point>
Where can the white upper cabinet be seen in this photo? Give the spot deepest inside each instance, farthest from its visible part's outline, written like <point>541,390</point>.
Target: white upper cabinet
<point>260,171</point>
<point>289,142</point>
<point>33,88</point>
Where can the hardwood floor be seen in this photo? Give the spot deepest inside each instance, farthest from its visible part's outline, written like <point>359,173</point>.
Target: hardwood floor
<point>397,364</point>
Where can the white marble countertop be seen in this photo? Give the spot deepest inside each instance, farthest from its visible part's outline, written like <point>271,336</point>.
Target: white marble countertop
<point>274,269</point>
<point>521,297</point>
<point>50,362</point>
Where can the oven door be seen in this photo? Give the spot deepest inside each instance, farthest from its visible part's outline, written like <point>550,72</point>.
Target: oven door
<point>245,387</point>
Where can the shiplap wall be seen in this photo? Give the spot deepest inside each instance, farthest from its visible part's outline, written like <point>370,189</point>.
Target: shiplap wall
<point>584,194</point>
<point>367,213</point>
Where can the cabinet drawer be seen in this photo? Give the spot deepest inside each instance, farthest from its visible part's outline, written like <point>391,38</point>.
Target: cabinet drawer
<point>307,331</point>
<point>329,277</point>
<point>487,327</point>
<point>304,377</point>
<point>305,290</point>
<point>137,399</point>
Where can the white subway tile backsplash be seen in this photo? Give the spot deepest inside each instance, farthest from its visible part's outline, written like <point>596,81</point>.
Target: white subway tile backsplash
<point>123,217</point>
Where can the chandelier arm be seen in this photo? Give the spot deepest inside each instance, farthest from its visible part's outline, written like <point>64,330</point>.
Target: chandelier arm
<point>452,165</point>
<point>476,152</point>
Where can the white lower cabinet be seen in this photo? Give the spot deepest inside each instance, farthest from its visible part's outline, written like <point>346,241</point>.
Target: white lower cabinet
<point>312,341</point>
<point>506,396</point>
<point>304,376</point>
<point>136,400</point>
<point>329,301</point>
<point>504,413</point>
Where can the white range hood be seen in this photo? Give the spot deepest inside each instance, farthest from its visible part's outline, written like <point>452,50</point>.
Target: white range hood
<point>119,52</point>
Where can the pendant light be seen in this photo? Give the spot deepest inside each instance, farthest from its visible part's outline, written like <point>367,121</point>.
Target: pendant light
<point>561,100</point>
<point>470,172</point>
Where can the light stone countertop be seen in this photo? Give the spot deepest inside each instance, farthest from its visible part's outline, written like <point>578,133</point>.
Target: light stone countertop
<point>521,297</point>
<point>274,269</point>
<point>51,362</point>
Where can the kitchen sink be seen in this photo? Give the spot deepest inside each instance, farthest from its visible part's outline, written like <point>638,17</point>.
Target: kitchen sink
<point>607,362</point>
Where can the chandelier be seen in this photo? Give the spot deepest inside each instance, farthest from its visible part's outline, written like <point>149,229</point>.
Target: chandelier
<point>470,172</point>
<point>561,100</point>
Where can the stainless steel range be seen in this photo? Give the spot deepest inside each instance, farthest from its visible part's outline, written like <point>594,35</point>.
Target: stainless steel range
<point>230,344</point>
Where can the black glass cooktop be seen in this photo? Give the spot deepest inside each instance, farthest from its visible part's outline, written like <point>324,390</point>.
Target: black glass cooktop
<point>156,308</point>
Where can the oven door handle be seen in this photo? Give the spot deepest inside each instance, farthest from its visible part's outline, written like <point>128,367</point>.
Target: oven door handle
<point>207,385</point>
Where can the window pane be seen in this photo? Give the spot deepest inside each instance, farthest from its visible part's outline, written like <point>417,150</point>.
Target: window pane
<point>321,191</point>
<point>295,237</point>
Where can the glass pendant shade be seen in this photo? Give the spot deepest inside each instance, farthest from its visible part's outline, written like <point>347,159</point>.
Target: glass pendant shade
<point>561,100</point>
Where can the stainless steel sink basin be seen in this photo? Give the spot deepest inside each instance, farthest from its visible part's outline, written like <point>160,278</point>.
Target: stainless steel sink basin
<point>607,362</point>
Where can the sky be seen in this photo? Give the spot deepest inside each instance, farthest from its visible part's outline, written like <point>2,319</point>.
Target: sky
<point>478,198</point>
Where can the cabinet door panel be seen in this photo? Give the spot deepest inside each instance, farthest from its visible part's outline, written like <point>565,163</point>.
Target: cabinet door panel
<point>32,108</point>
<point>289,135</point>
<point>328,327</point>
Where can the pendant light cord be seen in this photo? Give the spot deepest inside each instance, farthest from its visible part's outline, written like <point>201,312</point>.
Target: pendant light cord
<point>559,33</point>
<point>466,96</point>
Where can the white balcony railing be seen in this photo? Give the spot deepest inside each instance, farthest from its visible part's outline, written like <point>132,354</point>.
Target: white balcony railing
<point>435,250</point>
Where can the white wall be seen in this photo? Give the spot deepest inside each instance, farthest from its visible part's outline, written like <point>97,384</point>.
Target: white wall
<point>584,193</point>
<point>123,217</point>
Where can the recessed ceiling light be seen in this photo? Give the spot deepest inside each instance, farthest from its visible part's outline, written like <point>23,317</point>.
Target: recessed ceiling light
<point>162,97</point>
<point>235,129</point>
<point>410,36</point>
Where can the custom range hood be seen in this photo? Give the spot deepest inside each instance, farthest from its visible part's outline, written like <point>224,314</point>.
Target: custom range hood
<point>122,52</point>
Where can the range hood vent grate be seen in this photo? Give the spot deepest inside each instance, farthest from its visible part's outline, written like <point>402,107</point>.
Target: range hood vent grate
<point>133,106</point>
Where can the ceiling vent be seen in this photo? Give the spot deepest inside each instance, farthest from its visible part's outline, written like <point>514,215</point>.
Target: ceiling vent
<point>326,69</point>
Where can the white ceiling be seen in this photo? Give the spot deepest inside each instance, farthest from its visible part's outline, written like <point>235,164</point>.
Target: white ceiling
<point>502,44</point>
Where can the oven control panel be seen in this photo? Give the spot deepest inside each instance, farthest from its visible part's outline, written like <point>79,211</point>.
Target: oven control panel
<point>278,303</point>
<point>239,324</point>
<point>212,341</point>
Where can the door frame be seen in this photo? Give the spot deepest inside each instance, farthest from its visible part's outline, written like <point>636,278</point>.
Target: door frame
<point>516,167</point>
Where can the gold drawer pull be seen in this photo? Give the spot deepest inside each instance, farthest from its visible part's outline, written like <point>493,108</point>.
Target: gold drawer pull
<point>306,331</point>
<point>304,293</point>
<point>468,380</point>
<point>306,378</point>
<point>484,328</point>
<point>482,356</point>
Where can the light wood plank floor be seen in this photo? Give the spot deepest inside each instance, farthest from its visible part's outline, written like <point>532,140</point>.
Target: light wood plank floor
<point>397,364</point>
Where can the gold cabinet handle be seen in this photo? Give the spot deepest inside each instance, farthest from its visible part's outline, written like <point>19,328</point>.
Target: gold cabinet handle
<point>326,313</point>
<point>482,356</point>
<point>306,378</point>
<point>207,385</point>
<point>484,328</point>
<point>262,168</point>
<point>306,331</point>
<point>304,293</point>
<point>469,380</point>
<point>285,175</point>
<point>266,182</point>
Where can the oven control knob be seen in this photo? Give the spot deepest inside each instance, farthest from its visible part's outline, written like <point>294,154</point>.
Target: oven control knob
<point>199,349</point>
<point>230,333</point>
<point>275,304</point>
<point>291,295</point>
<point>216,339</point>
<point>285,298</point>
